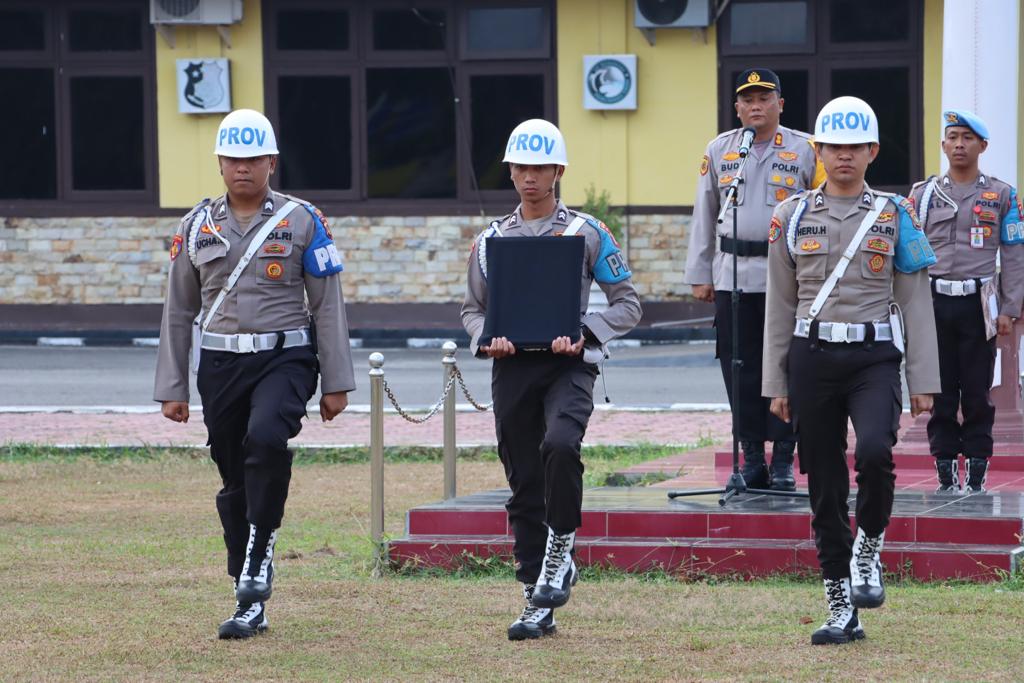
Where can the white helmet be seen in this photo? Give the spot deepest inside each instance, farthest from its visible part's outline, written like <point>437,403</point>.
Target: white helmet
<point>846,121</point>
<point>245,133</point>
<point>535,143</point>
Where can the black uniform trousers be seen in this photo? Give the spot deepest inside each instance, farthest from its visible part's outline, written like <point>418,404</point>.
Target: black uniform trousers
<point>966,364</point>
<point>754,419</point>
<point>830,383</point>
<point>252,405</point>
<point>542,404</point>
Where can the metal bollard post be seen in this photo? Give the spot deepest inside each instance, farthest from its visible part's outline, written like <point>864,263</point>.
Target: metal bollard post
<point>448,364</point>
<point>377,447</point>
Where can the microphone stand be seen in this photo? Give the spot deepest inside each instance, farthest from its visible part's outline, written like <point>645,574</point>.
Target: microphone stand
<point>736,484</point>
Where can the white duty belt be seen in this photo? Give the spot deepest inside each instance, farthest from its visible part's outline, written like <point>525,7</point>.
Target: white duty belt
<point>843,332</point>
<point>957,287</point>
<point>251,343</point>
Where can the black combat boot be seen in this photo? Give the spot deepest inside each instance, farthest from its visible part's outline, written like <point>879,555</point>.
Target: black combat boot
<point>755,472</point>
<point>977,468</point>
<point>842,625</point>
<point>534,622</point>
<point>949,475</point>
<point>782,466</point>
<point>256,582</point>
<point>558,573</point>
<point>866,587</point>
<point>249,620</point>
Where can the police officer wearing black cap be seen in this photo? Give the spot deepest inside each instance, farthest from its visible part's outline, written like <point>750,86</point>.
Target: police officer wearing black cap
<point>781,163</point>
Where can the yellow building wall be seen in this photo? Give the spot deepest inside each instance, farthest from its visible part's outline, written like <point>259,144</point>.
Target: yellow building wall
<point>188,168</point>
<point>932,109</point>
<point>649,156</point>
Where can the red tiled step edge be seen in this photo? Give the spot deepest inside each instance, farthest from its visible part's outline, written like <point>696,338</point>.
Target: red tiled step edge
<point>916,459</point>
<point>721,556</point>
<point>795,526</point>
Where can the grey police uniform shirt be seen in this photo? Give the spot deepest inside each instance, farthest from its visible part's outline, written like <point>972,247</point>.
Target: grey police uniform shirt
<point>802,256</point>
<point>623,312</point>
<point>787,165</point>
<point>270,296</point>
<point>991,207</point>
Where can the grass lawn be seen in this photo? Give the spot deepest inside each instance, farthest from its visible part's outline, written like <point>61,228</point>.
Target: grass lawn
<point>112,568</point>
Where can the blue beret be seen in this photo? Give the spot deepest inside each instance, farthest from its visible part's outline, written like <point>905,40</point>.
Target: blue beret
<point>962,117</point>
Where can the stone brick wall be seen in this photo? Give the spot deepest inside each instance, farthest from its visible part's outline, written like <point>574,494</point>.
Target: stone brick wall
<point>388,259</point>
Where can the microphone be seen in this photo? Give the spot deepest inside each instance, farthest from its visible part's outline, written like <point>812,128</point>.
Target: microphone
<point>746,141</point>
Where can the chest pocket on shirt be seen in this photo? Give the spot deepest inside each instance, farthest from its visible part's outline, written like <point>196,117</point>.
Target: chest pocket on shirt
<point>210,252</point>
<point>782,185</point>
<point>988,221</point>
<point>273,265</point>
<point>941,226</point>
<point>811,256</point>
<point>876,254</point>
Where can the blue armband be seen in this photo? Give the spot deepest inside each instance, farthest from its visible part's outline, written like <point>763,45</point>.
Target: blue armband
<point>1013,221</point>
<point>321,258</point>
<point>610,266</point>
<point>913,252</point>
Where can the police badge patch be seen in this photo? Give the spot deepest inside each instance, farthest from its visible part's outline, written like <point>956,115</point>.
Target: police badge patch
<point>704,164</point>
<point>775,230</point>
<point>876,263</point>
<point>176,246</point>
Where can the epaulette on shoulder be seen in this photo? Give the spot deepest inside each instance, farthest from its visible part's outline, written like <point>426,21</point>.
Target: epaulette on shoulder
<point>921,183</point>
<point>795,197</point>
<point>722,136</point>
<point>192,212</point>
<point>801,134</point>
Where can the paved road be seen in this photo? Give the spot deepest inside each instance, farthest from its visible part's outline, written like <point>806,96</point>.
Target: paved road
<point>103,376</point>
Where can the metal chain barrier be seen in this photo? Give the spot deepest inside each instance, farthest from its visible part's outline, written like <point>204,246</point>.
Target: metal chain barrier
<point>430,413</point>
<point>482,407</point>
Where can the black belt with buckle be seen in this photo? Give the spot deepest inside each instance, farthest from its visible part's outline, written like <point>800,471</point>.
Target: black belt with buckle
<point>729,245</point>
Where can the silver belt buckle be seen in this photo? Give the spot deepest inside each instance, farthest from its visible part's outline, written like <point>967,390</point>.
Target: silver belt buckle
<point>956,288</point>
<point>840,332</point>
<point>247,343</point>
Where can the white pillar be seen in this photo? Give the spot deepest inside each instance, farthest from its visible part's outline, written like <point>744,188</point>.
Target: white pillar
<point>979,72</point>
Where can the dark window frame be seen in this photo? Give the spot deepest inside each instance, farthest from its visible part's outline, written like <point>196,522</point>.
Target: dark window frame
<point>545,52</point>
<point>67,64</point>
<point>826,57</point>
<point>361,57</point>
<point>726,49</point>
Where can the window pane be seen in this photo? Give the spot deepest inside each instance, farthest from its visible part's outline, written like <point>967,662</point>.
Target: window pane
<point>876,86</point>
<point>27,136</point>
<point>107,151</point>
<point>869,21</point>
<point>410,116</point>
<point>409,29</point>
<point>22,30</point>
<point>763,24</point>
<point>315,132</point>
<point>105,30</point>
<point>491,125</point>
<point>312,30</point>
<point>506,29</point>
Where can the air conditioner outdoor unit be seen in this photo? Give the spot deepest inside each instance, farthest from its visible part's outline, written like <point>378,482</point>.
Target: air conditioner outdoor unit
<point>672,14</point>
<point>219,12</point>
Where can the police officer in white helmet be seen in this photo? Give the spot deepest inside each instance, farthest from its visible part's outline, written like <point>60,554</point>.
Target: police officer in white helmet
<point>848,299</point>
<point>245,264</point>
<point>543,399</point>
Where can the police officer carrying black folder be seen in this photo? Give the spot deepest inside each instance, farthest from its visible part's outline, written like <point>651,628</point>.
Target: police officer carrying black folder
<point>247,262</point>
<point>543,399</point>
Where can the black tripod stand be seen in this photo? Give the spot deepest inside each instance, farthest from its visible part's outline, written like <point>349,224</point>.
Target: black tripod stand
<point>736,484</point>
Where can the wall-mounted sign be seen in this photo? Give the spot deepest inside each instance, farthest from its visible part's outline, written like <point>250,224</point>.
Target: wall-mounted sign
<point>204,85</point>
<point>609,81</point>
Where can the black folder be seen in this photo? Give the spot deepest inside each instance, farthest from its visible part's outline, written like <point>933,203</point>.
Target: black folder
<point>533,290</point>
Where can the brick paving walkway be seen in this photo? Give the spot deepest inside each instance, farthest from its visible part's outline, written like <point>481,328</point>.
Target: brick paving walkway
<point>119,429</point>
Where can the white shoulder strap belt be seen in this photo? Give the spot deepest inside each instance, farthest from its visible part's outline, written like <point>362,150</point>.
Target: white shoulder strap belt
<point>254,246</point>
<point>574,226</point>
<point>851,249</point>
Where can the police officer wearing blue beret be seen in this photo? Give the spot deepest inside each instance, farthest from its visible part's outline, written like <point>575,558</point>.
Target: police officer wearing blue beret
<point>972,220</point>
<point>543,399</point>
<point>246,263</point>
